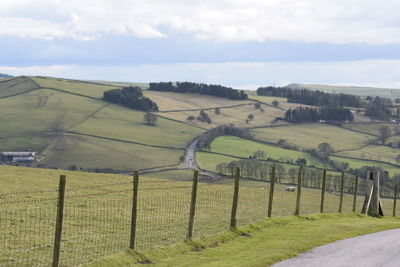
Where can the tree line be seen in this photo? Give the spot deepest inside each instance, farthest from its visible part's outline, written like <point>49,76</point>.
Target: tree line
<point>131,97</point>
<point>309,114</point>
<point>311,97</point>
<point>208,137</point>
<point>199,88</point>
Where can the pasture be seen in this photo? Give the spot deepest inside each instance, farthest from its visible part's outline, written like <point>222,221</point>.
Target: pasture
<point>98,207</point>
<point>73,127</point>
<point>311,135</point>
<point>235,146</point>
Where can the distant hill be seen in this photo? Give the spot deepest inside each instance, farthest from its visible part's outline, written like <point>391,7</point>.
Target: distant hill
<point>2,75</point>
<point>355,90</point>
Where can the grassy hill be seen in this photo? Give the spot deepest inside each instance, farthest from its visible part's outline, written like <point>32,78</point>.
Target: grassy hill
<point>68,121</point>
<point>354,90</point>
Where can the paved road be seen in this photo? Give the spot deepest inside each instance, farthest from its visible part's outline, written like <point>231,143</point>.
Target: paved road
<point>190,157</point>
<point>372,250</point>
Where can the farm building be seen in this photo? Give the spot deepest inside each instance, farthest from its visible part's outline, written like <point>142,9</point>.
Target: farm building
<point>19,156</point>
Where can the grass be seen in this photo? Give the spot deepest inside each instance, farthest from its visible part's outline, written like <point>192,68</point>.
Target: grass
<point>121,123</point>
<point>73,86</point>
<point>263,244</point>
<point>240,147</point>
<point>310,135</point>
<point>234,115</point>
<point>374,152</point>
<point>89,152</point>
<point>177,101</point>
<point>98,217</point>
<point>370,128</point>
<point>43,120</point>
<point>16,86</point>
<point>359,91</point>
<point>358,163</point>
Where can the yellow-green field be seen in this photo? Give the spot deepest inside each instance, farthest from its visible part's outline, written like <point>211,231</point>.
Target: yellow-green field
<point>371,128</point>
<point>98,208</point>
<point>311,135</point>
<point>373,152</point>
<point>235,115</point>
<point>72,125</point>
<point>177,101</point>
<point>235,146</point>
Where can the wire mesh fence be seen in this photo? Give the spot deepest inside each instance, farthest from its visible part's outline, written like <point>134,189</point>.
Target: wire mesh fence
<point>98,219</point>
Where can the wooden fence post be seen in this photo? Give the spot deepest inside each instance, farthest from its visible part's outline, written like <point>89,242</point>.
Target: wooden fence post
<point>341,192</point>
<point>395,198</point>
<point>271,191</point>
<point>134,209</point>
<point>59,222</point>
<point>193,204</point>
<point>355,194</point>
<point>235,198</point>
<point>297,211</point>
<point>323,191</point>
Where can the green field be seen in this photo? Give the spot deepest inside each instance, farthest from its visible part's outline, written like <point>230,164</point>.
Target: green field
<point>71,124</point>
<point>263,244</point>
<point>243,148</point>
<point>354,90</point>
<point>371,128</point>
<point>311,135</point>
<point>235,146</point>
<point>373,152</point>
<point>98,208</point>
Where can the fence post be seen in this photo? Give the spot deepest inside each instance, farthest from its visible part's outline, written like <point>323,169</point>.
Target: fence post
<point>271,191</point>
<point>59,222</point>
<point>341,192</point>
<point>235,198</point>
<point>395,198</point>
<point>134,209</point>
<point>297,211</point>
<point>355,194</point>
<point>323,191</point>
<point>193,204</point>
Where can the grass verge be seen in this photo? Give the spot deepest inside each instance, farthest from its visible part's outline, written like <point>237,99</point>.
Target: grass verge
<point>260,244</point>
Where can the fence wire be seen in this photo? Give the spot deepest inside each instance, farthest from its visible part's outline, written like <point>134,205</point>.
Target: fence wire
<point>97,219</point>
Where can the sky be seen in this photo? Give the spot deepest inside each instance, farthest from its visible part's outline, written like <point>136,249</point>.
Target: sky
<point>238,43</point>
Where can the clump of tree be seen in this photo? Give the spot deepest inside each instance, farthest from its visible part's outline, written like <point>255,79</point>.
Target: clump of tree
<point>199,88</point>
<point>250,117</point>
<point>378,108</point>
<point>308,114</point>
<point>275,104</point>
<point>149,118</point>
<point>203,117</point>
<point>257,105</point>
<point>384,133</point>
<point>131,97</point>
<point>311,97</point>
<point>217,111</point>
<point>208,137</point>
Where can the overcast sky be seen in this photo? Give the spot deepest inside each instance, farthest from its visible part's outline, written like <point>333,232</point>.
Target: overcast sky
<point>232,42</point>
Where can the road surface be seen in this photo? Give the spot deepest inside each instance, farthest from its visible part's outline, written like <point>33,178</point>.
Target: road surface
<point>190,156</point>
<point>372,250</point>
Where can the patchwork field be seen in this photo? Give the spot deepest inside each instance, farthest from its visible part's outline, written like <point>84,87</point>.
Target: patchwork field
<point>72,86</point>
<point>177,101</point>
<point>372,152</point>
<point>235,146</point>
<point>66,120</point>
<point>311,135</point>
<point>371,128</point>
<point>235,115</point>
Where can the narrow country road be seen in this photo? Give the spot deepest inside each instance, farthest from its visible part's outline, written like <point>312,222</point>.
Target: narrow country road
<point>372,250</point>
<point>190,156</point>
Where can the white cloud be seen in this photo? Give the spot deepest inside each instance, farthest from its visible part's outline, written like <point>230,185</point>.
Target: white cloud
<point>378,73</point>
<point>340,21</point>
